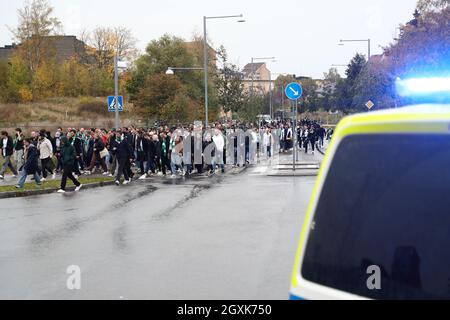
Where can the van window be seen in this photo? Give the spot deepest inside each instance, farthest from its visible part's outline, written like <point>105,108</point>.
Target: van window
<point>386,203</point>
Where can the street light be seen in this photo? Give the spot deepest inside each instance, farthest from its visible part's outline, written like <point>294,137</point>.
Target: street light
<point>358,40</point>
<point>170,70</point>
<point>116,86</point>
<point>205,56</point>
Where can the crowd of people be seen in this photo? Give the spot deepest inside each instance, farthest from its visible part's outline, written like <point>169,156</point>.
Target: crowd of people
<point>130,151</point>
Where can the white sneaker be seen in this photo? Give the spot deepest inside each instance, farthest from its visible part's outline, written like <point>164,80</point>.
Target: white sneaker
<point>173,176</point>
<point>143,177</point>
<point>126,182</point>
<point>61,191</point>
<point>43,180</point>
<point>2,177</point>
<point>78,188</point>
<point>105,173</point>
<point>54,176</point>
<point>110,175</point>
<point>160,174</point>
<point>117,182</point>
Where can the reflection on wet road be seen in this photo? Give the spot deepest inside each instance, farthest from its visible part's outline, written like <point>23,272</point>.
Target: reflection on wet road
<point>231,237</point>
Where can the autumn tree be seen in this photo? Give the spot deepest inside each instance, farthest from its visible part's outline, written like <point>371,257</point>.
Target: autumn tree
<point>422,49</point>
<point>108,42</point>
<point>168,51</point>
<point>332,80</point>
<point>36,22</point>
<point>229,84</point>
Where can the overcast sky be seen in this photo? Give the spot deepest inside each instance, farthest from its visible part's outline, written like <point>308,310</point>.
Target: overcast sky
<point>301,34</point>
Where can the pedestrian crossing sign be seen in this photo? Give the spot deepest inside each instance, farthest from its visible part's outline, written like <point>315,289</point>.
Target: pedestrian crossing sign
<point>112,103</point>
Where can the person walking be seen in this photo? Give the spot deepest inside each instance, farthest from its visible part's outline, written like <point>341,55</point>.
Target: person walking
<point>124,155</point>
<point>165,152</point>
<point>7,148</point>
<point>267,142</point>
<point>45,155</point>
<point>68,156</point>
<point>176,155</point>
<point>18,148</point>
<point>219,141</point>
<point>30,166</point>
<point>75,140</point>
<point>99,154</point>
<point>113,145</point>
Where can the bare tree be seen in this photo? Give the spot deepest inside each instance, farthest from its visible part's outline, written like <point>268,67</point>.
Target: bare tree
<point>109,42</point>
<point>101,41</point>
<point>124,43</point>
<point>35,23</point>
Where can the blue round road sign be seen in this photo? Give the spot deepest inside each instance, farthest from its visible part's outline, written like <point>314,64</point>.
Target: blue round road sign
<point>294,91</point>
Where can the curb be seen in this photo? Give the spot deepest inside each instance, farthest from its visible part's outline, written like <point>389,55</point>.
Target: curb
<point>27,193</point>
<point>240,170</point>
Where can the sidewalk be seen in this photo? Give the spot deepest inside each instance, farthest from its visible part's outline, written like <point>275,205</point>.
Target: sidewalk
<point>306,165</point>
<point>10,180</point>
<point>8,190</point>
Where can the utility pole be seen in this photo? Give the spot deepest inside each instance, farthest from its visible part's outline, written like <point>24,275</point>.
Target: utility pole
<point>271,96</point>
<point>205,68</point>
<point>205,57</point>
<point>116,91</point>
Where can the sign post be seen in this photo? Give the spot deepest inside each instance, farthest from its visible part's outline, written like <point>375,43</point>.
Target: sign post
<point>115,104</point>
<point>294,91</point>
<point>116,90</point>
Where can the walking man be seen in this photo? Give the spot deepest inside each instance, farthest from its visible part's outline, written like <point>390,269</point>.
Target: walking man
<point>45,154</point>
<point>7,148</point>
<point>31,164</point>
<point>68,156</point>
<point>124,155</point>
<point>18,148</point>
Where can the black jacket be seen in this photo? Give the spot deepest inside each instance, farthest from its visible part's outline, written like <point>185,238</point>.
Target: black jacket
<point>31,163</point>
<point>77,144</point>
<point>19,143</point>
<point>124,151</point>
<point>68,154</point>
<point>113,145</point>
<point>9,147</point>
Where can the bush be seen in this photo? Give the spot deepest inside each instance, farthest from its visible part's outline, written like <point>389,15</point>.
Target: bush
<point>93,106</point>
<point>25,94</point>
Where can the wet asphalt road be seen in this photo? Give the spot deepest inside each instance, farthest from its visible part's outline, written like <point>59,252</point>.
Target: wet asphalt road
<point>226,237</point>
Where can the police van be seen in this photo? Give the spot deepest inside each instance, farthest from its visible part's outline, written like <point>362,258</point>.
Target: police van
<point>378,223</point>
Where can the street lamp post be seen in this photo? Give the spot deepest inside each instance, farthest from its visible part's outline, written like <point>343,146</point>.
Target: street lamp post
<point>359,40</point>
<point>170,70</point>
<point>116,91</point>
<point>205,57</point>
